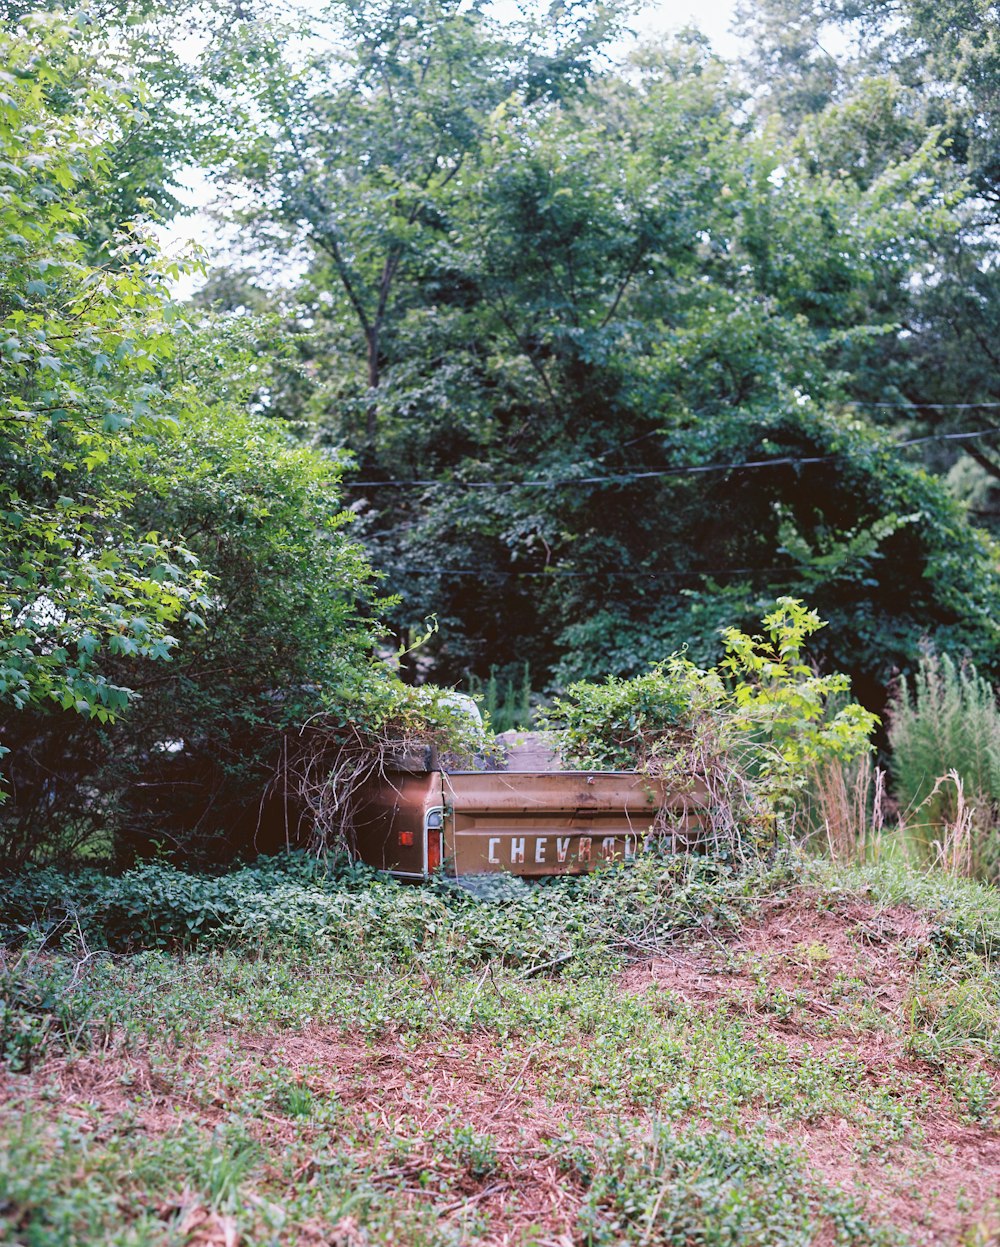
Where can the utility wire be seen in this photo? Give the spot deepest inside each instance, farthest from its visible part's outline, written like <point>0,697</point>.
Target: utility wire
<point>686,470</point>
<point>949,437</point>
<point>922,406</point>
<point>558,574</point>
<point>694,573</point>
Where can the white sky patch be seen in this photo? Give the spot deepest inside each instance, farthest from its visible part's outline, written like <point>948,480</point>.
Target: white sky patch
<point>712,17</point>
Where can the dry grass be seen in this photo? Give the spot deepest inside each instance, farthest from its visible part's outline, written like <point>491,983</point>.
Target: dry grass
<point>848,809</point>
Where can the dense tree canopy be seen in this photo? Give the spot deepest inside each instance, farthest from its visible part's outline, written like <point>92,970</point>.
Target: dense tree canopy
<point>589,302</point>
<point>178,587</point>
<point>603,350</point>
<point>857,83</point>
<point>80,351</point>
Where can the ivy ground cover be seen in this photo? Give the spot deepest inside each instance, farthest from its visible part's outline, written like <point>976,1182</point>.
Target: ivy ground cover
<point>795,1057</point>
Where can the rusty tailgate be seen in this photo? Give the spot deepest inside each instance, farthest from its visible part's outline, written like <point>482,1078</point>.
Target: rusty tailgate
<point>391,823</point>
<point>557,822</point>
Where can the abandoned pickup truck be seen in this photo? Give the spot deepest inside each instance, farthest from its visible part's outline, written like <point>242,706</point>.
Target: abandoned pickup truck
<point>417,820</point>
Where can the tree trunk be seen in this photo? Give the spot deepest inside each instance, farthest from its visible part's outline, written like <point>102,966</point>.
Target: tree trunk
<point>371,425</point>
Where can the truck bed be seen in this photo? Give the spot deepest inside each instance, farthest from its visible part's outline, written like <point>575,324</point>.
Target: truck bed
<point>527,823</point>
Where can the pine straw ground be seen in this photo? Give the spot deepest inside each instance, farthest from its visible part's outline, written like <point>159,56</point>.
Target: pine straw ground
<point>824,1076</point>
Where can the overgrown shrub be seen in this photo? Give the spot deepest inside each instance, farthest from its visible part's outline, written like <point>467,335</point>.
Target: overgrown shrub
<point>287,631</point>
<point>750,729</point>
<point>254,736</point>
<point>327,762</point>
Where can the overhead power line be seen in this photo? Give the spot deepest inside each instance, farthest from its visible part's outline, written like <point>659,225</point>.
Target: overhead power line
<point>619,478</point>
<point>602,574</point>
<point>924,406</point>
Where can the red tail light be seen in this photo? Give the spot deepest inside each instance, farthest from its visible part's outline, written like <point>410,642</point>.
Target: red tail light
<point>433,851</point>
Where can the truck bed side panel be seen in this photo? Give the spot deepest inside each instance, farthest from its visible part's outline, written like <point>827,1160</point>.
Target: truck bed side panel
<point>390,822</point>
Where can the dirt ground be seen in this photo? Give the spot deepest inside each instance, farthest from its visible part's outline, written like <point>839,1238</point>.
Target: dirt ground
<point>948,1192</point>
<point>413,1096</point>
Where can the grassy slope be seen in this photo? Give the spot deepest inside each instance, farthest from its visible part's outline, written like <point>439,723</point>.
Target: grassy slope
<point>804,1056</point>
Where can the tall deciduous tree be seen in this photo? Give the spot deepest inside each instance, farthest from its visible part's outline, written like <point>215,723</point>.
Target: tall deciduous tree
<point>357,145</point>
<point>895,73</point>
<point>174,564</point>
<point>589,301</point>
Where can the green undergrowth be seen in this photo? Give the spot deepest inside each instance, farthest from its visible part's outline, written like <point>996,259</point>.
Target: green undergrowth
<point>634,1185</point>
<point>965,913</point>
<point>716,1189</point>
<point>222,1073</point>
<point>951,1012</point>
<point>288,943</point>
<point>622,1077</point>
<point>297,901</point>
<point>256,939</point>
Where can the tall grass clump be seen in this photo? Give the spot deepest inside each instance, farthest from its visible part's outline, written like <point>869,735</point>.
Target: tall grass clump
<point>944,734</point>
<point>843,809</point>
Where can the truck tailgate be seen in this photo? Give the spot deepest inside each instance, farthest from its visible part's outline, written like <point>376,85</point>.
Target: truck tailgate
<point>557,822</point>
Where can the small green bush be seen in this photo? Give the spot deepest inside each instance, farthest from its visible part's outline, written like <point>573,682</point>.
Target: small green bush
<point>752,729</point>
<point>619,724</point>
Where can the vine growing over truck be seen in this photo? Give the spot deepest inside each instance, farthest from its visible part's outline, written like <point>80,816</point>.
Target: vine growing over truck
<point>751,730</point>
